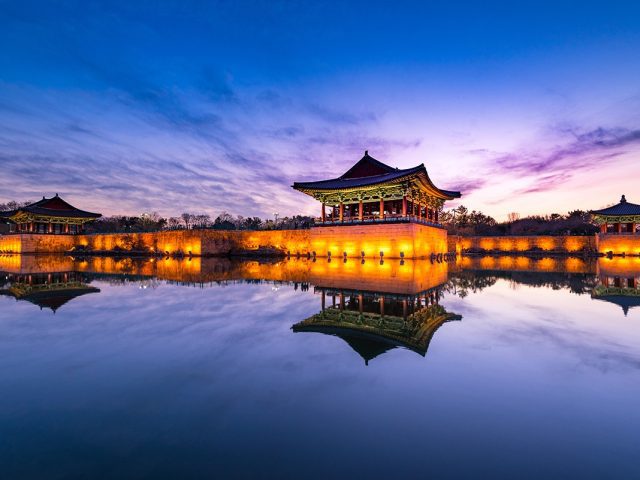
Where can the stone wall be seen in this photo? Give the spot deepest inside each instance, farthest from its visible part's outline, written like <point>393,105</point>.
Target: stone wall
<point>520,244</point>
<point>618,244</point>
<point>413,240</point>
<point>33,243</point>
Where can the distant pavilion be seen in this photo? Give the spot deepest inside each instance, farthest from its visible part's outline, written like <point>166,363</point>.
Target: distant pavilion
<point>621,218</point>
<point>372,192</point>
<point>49,215</point>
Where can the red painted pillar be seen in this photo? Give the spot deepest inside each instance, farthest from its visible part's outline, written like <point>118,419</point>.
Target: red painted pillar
<point>603,228</point>
<point>618,227</point>
<point>381,207</point>
<point>633,228</point>
<point>404,206</point>
<point>323,215</point>
<point>341,212</point>
<point>360,211</point>
<point>435,215</point>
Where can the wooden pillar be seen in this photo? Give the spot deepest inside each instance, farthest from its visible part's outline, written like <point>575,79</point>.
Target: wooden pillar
<point>618,227</point>
<point>435,216</point>
<point>323,214</point>
<point>603,228</point>
<point>323,299</point>
<point>382,306</point>
<point>361,302</point>
<point>360,211</point>
<point>419,211</point>
<point>404,309</point>
<point>633,228</point>
<point>341,300</point>
<point>404,206</point>
<point>341,212</point>
<point>381,207</point>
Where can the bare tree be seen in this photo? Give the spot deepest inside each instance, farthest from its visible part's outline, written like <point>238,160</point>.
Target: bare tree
<point>513,217</point>
<point>173,223</point>
<point>187,218</point>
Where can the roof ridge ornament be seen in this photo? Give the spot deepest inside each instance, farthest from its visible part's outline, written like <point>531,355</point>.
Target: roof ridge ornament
<point>623,199</point>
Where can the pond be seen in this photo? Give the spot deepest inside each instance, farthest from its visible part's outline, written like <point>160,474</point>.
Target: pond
<point>506,367</point>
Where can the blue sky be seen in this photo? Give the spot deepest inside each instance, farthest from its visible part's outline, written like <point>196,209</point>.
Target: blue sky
<point>126,107</point>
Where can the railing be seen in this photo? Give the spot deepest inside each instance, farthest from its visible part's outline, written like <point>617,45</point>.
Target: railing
<point>376,219</point>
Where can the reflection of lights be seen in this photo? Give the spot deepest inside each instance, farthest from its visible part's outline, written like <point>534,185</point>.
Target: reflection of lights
<point>275,289</point>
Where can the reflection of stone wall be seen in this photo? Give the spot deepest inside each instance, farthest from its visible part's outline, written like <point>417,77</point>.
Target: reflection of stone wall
<point>528,264</point>
<point>543,243</point>
<point>393,276</point>
<point>619,244</point>
<point>619,267</point>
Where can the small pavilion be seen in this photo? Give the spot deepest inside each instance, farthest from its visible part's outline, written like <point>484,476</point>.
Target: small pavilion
<point>49,215</point>
<point>621,218</point>
<point>371,191</point>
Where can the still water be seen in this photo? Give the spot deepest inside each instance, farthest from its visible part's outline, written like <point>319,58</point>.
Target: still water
<point>207,368</point>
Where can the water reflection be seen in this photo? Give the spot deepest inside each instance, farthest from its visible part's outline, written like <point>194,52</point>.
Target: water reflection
<point>50,281</point>
<point>375,322</point>
<point>46,290</point>
<point>185,369</point>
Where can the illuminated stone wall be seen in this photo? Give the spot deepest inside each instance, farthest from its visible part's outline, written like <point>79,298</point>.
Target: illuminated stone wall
<point>414,240</point>
<point>33,243</point>
<point>203,242</point>
<point>619,244</point>
<point>543,243</point>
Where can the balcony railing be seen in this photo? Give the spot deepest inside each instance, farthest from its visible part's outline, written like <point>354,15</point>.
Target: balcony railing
<point>376,219</point>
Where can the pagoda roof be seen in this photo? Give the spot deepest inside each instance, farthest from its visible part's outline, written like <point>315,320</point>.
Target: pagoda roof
<point>626,302</point>
<point>54,207</point>
<point>369,172</point>
<point>623,208</point>
<point>53,298</point>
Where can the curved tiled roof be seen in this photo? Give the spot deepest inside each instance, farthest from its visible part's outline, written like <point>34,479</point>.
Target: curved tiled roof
<point>379,173</point>
<point>54,207</point>
<point>622,208</point>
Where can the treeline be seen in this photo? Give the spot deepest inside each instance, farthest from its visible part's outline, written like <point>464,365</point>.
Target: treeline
<point>461,221</point>
<point>150,222</point>
<point>13,205</point>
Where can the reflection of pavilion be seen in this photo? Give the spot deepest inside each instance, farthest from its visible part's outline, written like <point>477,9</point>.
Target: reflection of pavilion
<point>619,290</point>
<point>47,290</point>
<point>373,323</point>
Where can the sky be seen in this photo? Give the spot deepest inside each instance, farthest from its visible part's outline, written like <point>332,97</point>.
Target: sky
<point>142,106</point>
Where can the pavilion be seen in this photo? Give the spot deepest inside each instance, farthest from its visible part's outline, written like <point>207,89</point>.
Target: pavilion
<point>48,290</point>
<point>372,323</point>
<point>372,192</point>
<point>49,215</point>
<point>623,217</point>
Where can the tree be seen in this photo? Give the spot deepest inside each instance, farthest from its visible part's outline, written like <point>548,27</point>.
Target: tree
<point>173,223</point>
<point>513,217</point>
<point>224,217</point>
<point>187,218</point>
